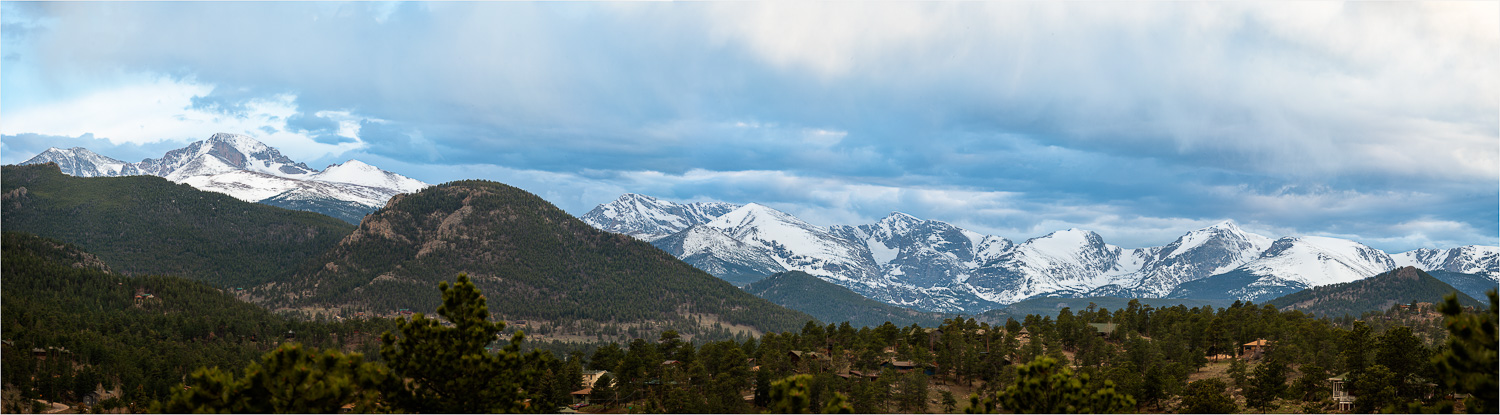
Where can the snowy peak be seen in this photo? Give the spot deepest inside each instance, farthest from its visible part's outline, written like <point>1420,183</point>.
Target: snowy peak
<point>1198,254</point>
<point>1317,261</point>
<point>1471,259</point>
<point>648,218</point>
<point>1067,245</point>
<point>796,244</point>
<point>81,162</point>
<point>243,167</point>
<point>1225,234</point>
<point>360,173</point>
<point>223,153</point>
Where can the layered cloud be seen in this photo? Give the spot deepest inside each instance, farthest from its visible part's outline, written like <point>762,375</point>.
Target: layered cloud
<point>1376,120</point>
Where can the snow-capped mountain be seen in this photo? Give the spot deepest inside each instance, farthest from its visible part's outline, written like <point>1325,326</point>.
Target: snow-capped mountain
<point>81,162</point>
<point>1068,263</point>
<point>797,245</point>
<point>1198,254</point>
<point>1471,259</point>
<point>648,218</point>
<point>934,266</point>
<point>223,153</point>
<point>712,251</point>
<point>1292,264</point>
<point>240,166</point>
<point>358,173</point>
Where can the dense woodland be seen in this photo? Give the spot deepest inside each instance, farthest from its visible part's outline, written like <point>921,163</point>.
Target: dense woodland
<point>148,225</point>
<point>1155,360</point>
<point>94,335</point>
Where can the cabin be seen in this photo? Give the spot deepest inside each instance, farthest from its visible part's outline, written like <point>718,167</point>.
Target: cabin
<point>1341,392</point>
<point>1254,350</point>
<point>901,366</point>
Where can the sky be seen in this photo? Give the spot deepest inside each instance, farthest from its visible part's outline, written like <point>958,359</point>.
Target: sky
<point>1374,121</point>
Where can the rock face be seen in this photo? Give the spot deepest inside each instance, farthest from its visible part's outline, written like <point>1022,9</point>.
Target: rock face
<point>240,166</point>
<point>935,266</point>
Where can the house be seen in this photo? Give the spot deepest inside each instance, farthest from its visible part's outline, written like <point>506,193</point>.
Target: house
<point>1341,392</point>
<point>581,396</point>
<point>901,366</point>
<point>1104,329</point>
<point>590,377</point>
<point>1254,350</point>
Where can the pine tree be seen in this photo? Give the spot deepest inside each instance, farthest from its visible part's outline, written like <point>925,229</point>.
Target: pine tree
<point>1045,387</point>
<point>1469,363</point>
<point>450,370</point>
<point>290,379</point>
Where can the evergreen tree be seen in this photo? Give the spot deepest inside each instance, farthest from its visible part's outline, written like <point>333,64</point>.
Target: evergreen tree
<point>1469,364</point>
<point>291,379</point>
<point>1208,396</point>
<point>1269,382</point>
<point>450,370</point>
<point>1045,387</point>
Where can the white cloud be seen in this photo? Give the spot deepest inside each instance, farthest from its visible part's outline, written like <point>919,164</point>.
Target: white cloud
<point>159,108</point>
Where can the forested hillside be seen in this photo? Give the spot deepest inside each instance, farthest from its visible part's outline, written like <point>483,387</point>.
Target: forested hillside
<point>534,261</point>
<point>1403,285</point>
<point>148,225</point>
<point>833,303</point>
<point>98,328</point>
<point>1472,284</point>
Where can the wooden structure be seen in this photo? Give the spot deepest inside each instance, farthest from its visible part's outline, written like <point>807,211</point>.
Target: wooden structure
<point>1341,392</point>
<point>581,396</point>
<point>1254,350</point>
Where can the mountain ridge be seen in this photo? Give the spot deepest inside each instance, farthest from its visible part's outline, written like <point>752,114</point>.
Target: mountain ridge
<point>243,167</point>
<point>929,264</point>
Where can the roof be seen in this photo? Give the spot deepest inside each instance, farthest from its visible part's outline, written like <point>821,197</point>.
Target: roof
<point>585,391</point>
<point>1261,342</point>
<point>1340,377</point>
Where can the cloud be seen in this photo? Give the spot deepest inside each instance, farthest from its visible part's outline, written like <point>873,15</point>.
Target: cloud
<point>1126,118</point>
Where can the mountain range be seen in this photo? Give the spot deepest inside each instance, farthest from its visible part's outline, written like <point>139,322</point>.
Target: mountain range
<point>935,266</point>
<point>240,166</point>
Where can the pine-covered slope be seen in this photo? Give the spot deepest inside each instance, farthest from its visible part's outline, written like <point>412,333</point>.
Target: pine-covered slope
<point>532,260</point>
<point>1399,286</point>
<point>1475,285</point>
<point>831,303</point>
<point>146,224</point>
<point>57,295</point>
